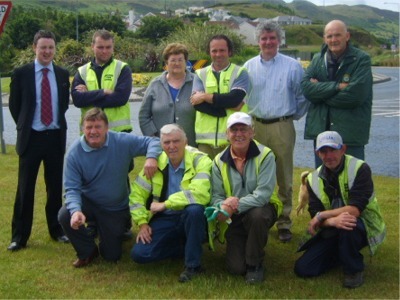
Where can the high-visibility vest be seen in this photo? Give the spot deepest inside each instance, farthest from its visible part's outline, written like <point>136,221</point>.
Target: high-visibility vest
<point>218,229</point>
<point>119,118</point>
<point>211,130</point>
<point>371,216</point>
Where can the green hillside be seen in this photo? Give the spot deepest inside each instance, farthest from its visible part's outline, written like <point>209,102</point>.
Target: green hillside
<point>384,24</point>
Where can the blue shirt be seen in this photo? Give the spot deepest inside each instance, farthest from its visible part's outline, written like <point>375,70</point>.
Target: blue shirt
<point>37,122</point>
<point>276,90</point>
<point>175,177</point>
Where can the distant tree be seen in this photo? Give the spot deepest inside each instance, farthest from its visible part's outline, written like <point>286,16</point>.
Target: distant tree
<point>7,53</point>
<point>22,28</point>
<point>196,37</point>
<point>71,54</point>
<point>154,29</point>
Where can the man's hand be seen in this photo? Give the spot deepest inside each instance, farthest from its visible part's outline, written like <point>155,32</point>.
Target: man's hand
<point>156,207</point>
<point>313,80</point>
<point>77,219</point>
<point>344,221</point>
<point>313,226</point>
<point>200,97</point>
<point>144,234</point>
<point>232,202</point>
<point>81,88</point>
<point>342,85</point>
<point>150,167</point>
<point>239,107</point>
<point>107,91</point>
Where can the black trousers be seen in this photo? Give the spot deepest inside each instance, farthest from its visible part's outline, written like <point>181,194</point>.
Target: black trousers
<point>111,226</point>
<point>43,147</point>
<point>333,248</point>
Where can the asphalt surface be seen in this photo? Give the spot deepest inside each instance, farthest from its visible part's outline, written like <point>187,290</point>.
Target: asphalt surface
<point>383,133</point>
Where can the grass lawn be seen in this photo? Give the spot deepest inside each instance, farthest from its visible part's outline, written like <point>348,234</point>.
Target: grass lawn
<point>44,269</point>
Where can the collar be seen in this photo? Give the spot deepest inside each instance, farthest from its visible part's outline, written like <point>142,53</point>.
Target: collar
<point>87,148</point>
<point>271,60</point>
<point>326,173</point>
<point>223,70</point>
<point>97,66</point>
<point>181,165</point>
<point>252,152</point>
<point>39,67</point>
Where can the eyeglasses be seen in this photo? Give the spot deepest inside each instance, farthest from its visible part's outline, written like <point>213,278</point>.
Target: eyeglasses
<point>174,61</point>
<point>239,129</point>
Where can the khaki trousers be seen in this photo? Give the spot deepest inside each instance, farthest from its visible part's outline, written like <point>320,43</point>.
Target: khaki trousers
<point>280,137</point>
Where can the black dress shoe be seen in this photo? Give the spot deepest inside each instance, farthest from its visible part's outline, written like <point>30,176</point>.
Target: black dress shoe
<point>14,246</point>
<point>62,239</point>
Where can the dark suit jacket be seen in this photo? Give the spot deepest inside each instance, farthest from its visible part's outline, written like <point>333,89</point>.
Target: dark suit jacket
<point>22,102</point>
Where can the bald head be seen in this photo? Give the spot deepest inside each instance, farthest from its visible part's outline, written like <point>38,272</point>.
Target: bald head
<point>336,37</point>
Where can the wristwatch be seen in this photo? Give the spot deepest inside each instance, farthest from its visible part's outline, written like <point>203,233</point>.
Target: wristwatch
<point>319,217</point>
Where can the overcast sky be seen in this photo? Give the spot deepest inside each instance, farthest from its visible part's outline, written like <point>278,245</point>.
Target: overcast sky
<point>392,4</point>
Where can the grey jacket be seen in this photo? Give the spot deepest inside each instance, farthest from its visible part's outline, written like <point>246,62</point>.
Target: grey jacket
<point>158,108</point>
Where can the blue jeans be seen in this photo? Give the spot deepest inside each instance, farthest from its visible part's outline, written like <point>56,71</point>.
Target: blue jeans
<point>175,234</point>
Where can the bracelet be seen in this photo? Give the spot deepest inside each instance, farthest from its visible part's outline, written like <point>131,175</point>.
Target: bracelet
<point>319,218</point>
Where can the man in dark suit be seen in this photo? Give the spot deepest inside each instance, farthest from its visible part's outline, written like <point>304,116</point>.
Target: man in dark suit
<point>41,136</point>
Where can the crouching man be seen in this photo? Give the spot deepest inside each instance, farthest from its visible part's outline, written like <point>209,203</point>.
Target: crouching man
<point>169,208</point>
<point>243,183</point>
<point>345,213</point>
<point>96,189</point>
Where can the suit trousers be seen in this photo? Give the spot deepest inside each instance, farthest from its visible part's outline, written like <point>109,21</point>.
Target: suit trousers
<point>110,225</point>
<point>247,237</point>
<point>44,146</point>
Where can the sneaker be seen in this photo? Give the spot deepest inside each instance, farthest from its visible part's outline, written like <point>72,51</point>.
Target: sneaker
<point>189,273</point>
<point>255,274</point>
<point>352,281</point>
<point>285,235</point>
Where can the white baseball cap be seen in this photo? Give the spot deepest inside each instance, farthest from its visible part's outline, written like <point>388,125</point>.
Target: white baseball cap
<point>239,118</point>
<point>330,139</point>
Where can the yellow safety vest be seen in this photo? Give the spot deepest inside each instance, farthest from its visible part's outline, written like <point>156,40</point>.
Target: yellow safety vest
<point>218,229</point>
<point>371,216</point>
<point>211,130</point>
<point>119,118</point>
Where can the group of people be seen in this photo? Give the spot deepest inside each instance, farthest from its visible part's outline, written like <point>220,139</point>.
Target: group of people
<point>219,148</point>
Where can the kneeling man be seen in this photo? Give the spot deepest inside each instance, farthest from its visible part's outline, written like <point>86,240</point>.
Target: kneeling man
<point>169,208</point>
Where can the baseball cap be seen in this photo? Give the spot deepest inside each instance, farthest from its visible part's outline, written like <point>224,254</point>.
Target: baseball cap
<point>239,118</point>
<point>330,139</point>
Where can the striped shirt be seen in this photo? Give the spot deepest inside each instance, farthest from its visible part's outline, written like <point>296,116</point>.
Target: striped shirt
<point>276,90</point>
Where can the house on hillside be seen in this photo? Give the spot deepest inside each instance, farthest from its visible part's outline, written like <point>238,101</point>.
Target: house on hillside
<point>291,20</point>
<point>134,22</point>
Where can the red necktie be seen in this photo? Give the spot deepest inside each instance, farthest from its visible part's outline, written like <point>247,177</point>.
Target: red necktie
<point>47,111</point>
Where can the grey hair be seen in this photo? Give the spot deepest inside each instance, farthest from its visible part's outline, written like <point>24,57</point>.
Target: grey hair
<point>171,128</point>
<point>269,26</point>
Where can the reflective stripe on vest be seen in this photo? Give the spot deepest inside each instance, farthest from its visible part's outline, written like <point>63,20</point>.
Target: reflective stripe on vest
<point>211,130</point>
<point>371,216</point>
<point>118,117</point>
<point>264,151</point>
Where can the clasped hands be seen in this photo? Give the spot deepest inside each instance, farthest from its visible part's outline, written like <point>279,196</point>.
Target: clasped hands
<point>344,221</point>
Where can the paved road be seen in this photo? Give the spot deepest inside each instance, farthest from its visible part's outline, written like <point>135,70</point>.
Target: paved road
<point>382,153</point>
